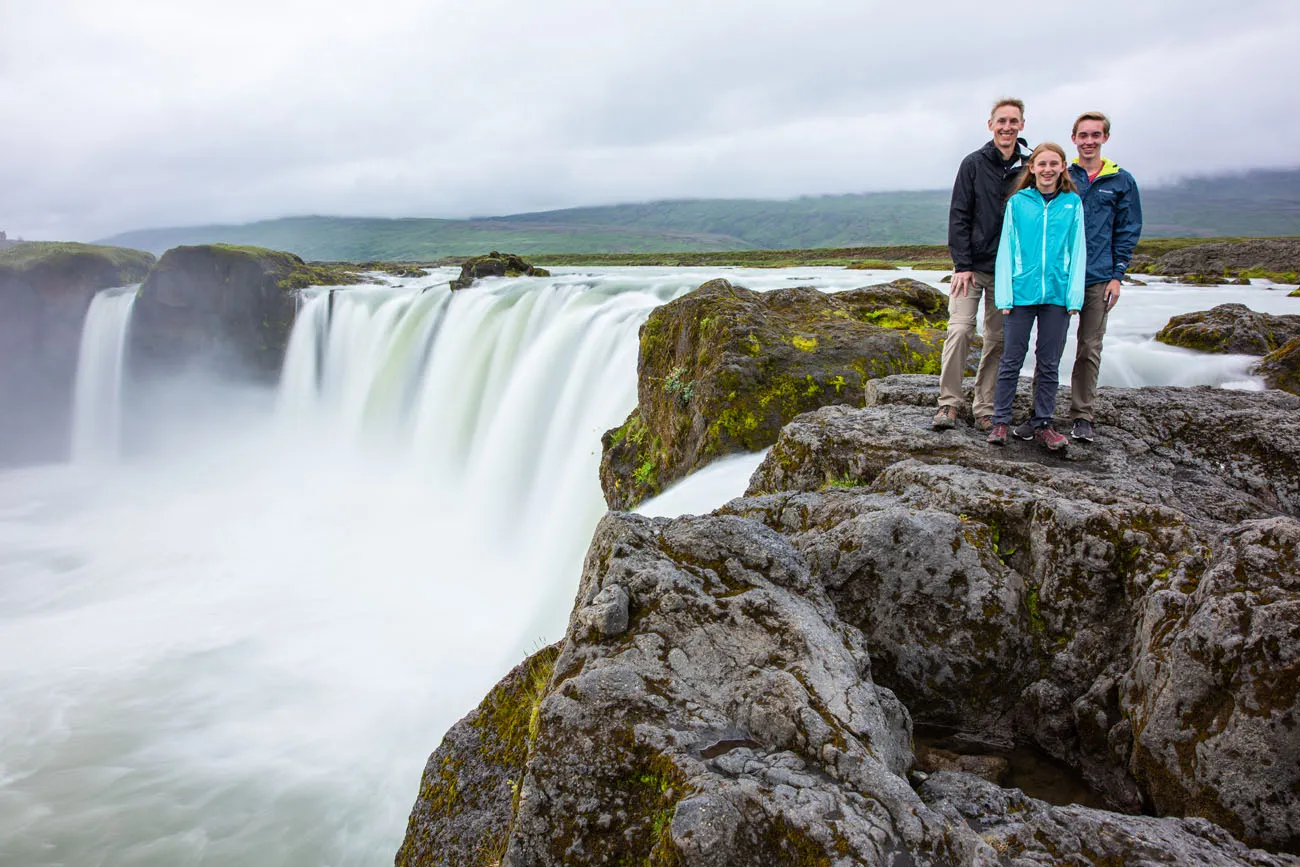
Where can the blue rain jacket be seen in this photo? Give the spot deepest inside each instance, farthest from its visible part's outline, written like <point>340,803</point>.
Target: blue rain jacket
<point>1112,215</point>
<point>1042,254</point>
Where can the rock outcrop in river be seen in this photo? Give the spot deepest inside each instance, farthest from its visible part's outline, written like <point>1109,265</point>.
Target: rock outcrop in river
<point>1281,368</point>
<point>1278,258</point>
<point>1230,328</point>
<point>495,264</point>
<point>226,307</point>
<point>722,368</point>
<point>45,290</point>
<point>741,688</point>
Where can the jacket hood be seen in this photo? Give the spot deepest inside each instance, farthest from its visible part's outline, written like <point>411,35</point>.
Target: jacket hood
<point>1108,167</point>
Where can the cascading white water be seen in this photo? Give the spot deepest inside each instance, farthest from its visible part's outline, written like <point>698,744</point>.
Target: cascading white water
<point>241,650</point>
<point>97,404</point>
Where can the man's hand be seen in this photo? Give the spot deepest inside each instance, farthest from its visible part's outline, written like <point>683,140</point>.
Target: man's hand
<point>1111,297</point>
<point>961,283</point>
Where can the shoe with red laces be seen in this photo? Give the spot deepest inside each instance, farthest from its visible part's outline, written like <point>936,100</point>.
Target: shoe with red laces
<point>1049,439</point>
<point>998,435</point>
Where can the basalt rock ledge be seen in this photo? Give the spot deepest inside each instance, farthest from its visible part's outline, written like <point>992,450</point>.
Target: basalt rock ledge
<point>741,688</point>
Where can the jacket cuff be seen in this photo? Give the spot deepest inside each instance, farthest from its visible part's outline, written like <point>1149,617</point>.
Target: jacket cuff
<point>1117,273</point>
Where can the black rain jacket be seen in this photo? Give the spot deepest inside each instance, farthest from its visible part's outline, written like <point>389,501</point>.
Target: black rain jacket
<point>979,195</point>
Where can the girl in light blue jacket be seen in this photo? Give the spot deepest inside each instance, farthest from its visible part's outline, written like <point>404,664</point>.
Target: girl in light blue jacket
<point>1038,280</point>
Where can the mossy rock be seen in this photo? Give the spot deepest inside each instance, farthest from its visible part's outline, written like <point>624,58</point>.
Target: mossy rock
<point>67,266</point>
<point>871,265</point>
<point>1230,328</point>
<point>1281,367</point>
<point>1211,280</point>
<point>45,291</point>
<point>495,264</point>
<point>470,785</point>
<point>723,368</point>
<point>1295,293</point>
<point>230,305</point>
<point>1234,258</point>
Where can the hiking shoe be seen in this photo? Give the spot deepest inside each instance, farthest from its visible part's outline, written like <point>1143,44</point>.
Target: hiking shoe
<point>1024,431</point>
<point>984,423</point>
<point>998,435</point>
<point>944,419</point>
<point>1049,439</point>
<point>1081,430</point>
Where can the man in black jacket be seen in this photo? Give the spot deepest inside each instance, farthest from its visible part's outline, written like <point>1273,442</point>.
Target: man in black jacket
<point>979,195</point>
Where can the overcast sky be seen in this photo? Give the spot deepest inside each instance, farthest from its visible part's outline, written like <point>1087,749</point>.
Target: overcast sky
<point>125,114</point>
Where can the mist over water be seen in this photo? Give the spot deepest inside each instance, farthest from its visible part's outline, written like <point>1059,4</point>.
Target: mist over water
<point>241,646</point>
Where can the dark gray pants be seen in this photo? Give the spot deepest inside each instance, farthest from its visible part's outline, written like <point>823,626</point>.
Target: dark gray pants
<point>1053,325</point>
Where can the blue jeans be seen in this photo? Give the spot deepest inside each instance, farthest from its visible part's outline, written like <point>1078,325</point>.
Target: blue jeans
<point>1053,325</point>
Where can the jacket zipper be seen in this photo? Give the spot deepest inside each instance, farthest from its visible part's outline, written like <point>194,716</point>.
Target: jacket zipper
<point>1042,269</point>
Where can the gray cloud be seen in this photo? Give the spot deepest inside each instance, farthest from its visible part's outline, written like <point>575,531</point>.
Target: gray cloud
<point>152,112</point>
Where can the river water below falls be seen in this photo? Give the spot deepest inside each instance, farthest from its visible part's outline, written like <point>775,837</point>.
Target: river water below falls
<point>240,646</point>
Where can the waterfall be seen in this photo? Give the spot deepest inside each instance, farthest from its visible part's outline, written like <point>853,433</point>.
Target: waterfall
<point>97,404</point>
<point>497,396</point>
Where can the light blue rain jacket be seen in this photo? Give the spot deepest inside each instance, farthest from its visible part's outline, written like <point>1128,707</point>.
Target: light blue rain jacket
<point>1042,256</point>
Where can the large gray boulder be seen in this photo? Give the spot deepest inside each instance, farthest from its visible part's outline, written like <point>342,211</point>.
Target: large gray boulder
<point>223,307</point>
<point>1230,328</point>
<point>740,688</point>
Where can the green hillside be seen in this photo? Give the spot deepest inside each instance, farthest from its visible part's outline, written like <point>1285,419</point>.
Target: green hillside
<point>1254,204</point>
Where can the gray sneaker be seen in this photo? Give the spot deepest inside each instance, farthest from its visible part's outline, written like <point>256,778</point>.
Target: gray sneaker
<point>1024,431</point>
<point>1081,430</point>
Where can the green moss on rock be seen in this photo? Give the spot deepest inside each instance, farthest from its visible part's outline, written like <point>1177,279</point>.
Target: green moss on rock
<point>1281,368</point>
<point>232,306</point>
<point>1230,328</point>
<point>748,362</point>
<point>495,264</point>
<point>470,785</point>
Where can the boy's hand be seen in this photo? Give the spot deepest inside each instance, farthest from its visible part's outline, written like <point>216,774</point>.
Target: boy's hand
<point>1112,294</point>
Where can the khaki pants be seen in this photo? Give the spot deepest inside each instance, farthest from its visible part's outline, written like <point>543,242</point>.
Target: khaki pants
<point>956,346</point>
<point>1087,358</point>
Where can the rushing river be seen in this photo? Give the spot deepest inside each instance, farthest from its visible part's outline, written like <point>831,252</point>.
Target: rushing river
<point>239,646</point>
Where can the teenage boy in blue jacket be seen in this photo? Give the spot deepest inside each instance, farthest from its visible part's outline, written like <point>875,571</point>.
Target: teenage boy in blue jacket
<point>1112,218</point>
<point>984,180</point>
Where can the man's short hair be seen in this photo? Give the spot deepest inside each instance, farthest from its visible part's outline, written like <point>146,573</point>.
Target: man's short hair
<point>1018,103</point>
<point>1091,115</point>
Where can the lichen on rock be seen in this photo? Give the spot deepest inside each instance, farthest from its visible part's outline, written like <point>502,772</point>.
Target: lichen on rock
<point>739,688</point>
<point>722,368</point>
<point>1281,367</point>
<point>1230,328</point>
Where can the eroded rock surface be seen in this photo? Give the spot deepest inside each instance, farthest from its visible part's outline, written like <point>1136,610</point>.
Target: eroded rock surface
<point>467,793</point>
<point>1230,328</point>
<point>739,688</point>
<point>1026,832</point>
<point>1281,368</point>
<point>1278,255</point>
<point>723,368</point>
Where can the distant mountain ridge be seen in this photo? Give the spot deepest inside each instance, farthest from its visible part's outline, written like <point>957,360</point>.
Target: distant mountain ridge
<point>1259,203</point>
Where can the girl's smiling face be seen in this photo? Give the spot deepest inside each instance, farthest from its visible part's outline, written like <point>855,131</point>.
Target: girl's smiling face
<point>1046,169</point>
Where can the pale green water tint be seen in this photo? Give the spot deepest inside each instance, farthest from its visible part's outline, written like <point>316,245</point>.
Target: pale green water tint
<point>240,649</point>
